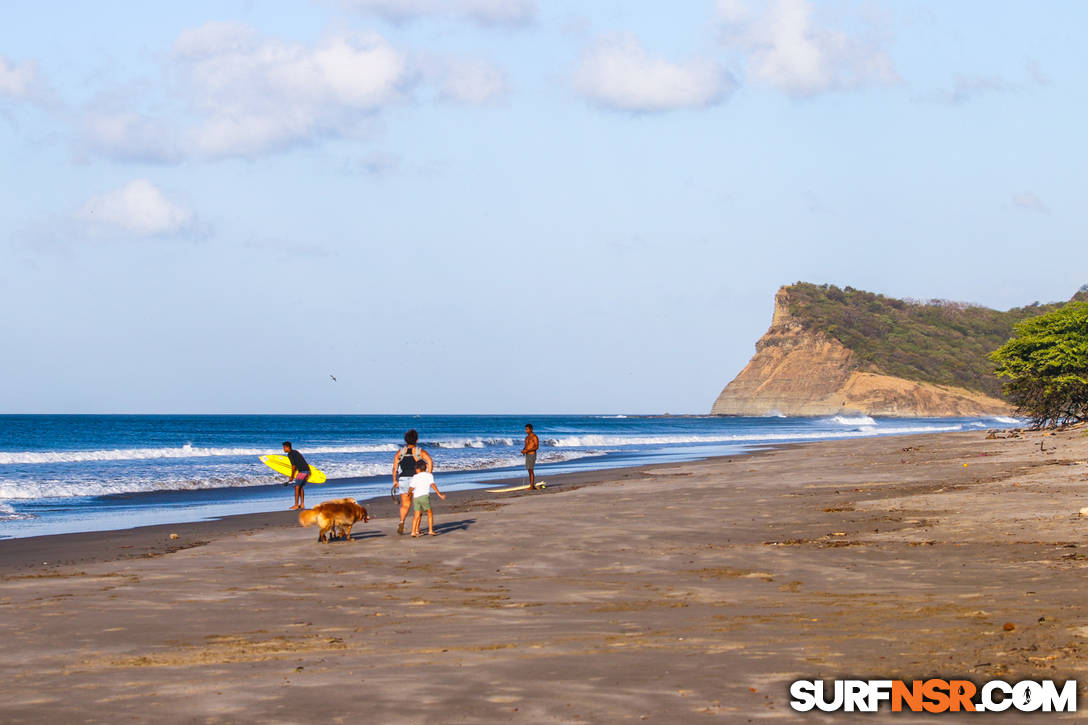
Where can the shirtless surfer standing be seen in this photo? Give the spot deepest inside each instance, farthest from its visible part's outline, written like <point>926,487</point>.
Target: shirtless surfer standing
<point>532,443</point>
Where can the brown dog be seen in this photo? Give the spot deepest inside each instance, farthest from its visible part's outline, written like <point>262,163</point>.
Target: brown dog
<point>341,513</point>
<point>337,530</point>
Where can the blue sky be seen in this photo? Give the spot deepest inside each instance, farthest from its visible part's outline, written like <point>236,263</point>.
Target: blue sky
<point>507,205</point>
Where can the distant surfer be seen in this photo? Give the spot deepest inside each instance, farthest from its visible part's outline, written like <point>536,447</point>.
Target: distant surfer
<point>532,443</point>
<point>300,472</point>
<point>404,468</point>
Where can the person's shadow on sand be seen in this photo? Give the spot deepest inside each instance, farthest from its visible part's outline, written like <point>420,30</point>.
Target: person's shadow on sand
<point>446,528</point>
<point>451,526</point>
<point>359,536</point>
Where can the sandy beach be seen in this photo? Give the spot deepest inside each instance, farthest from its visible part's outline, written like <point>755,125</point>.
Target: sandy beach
<point>681,592</point>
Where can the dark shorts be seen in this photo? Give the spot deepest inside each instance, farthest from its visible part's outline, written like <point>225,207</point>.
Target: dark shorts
<point>301,477</point>
<point>530,460</point>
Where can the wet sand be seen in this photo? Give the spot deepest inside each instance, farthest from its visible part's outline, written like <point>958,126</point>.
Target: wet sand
<point>663,594</point>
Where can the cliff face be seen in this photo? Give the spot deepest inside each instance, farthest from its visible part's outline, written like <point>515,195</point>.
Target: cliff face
<point>797,372</point>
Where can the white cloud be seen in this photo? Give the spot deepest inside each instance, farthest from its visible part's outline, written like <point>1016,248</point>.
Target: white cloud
<point>1028,201</point>
<point>258,94</point>
<point>967,88</point>
<point>238,93</point>
<point>376,163</point>
<point>229,91</point>
<point>618,73</point>
<point>131,136</point>
<point>485,12</point>
<point>784,47</point>
<point>472,81</point>
<point>138,208</point>
<point>19,81</point>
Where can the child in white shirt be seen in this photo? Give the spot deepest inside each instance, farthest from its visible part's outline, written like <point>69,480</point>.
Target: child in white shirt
<point>422,483</point>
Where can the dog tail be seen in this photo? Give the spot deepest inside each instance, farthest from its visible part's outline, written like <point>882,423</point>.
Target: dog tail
<point>307,517</point>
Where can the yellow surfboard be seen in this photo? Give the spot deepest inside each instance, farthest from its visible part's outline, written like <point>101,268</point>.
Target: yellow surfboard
<point>281,464</point>
<point>540,484</point>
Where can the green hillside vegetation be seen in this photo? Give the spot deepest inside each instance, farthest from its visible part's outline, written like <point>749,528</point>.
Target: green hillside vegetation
<point>942,342</point>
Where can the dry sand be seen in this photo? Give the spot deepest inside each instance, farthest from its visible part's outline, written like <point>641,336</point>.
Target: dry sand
<point>674,593</point>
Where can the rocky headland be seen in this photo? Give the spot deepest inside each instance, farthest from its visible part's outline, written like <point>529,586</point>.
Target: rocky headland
<point>831,351</point>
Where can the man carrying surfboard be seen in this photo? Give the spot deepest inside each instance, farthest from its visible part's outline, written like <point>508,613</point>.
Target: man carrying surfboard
<point>300,471</point>
<point>532,443</point>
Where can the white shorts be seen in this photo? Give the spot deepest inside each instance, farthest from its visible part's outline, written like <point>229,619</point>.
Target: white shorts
<point>404,485</point>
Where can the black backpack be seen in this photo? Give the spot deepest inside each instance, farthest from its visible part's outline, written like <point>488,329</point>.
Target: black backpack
<point>408,461</point>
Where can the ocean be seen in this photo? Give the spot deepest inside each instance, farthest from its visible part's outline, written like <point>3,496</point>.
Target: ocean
<point>68,473</point>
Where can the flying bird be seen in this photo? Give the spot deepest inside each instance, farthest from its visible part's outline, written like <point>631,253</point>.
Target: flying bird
<point>333,377</point>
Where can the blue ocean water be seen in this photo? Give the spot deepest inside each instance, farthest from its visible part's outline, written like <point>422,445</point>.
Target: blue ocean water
<point>64,473</point>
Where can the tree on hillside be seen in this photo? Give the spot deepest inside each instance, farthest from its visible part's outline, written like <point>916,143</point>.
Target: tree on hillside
<point>1045,366</point>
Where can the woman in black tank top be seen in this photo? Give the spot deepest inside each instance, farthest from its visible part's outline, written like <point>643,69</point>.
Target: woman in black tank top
<point>404,467</point>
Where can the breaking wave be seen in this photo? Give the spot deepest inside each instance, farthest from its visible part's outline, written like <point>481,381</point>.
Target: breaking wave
<point>7,513</point>
<point>852,420</point>
<point>471,443</point>
<point>616,441</point>
<point>11,490</point>
<point>186,451</point>
<point>190,451</point>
